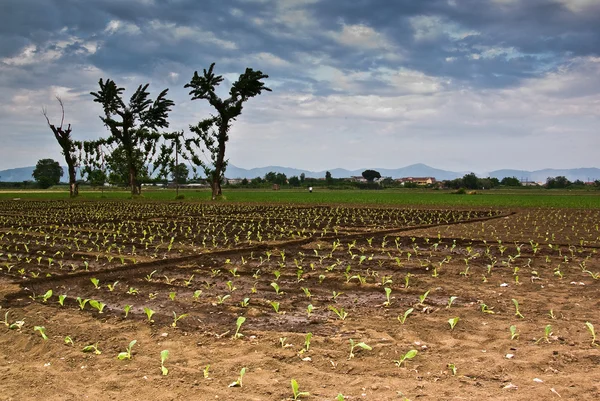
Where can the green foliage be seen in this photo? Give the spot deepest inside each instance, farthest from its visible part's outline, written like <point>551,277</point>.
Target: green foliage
<point>127,353</point>
<point>296,393</point>
<point>371,175</point>
<point>47,172</point>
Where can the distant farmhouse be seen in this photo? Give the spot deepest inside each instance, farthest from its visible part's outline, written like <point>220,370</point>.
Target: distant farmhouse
<point>416,180</point>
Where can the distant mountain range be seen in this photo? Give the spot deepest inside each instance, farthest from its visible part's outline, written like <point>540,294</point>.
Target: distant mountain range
<point>414,170</point>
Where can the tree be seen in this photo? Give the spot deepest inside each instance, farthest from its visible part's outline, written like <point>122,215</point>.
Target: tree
<point>302,177</point>
<point>370,175</point>
<point>180,173</point>
<point>68,146</point>
<point>133,126</point>
<point>118,164</point>
<point>328,178</point>
<point>511,182</point>
<point>96,178</point>
<point>245,181</point>
<point>557,182</point>
<point>212,133</point>
<point>47,172</point>
<point>294,181</point>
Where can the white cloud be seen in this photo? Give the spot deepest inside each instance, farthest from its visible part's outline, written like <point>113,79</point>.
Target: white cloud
<point>580,6</point>
<point>172,32</point>
<point>115,26</point>
<point>362,37</point>
<point>430,27</point>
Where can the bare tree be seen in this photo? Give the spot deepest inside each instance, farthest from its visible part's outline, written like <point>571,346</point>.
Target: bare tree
<point>68,146</point>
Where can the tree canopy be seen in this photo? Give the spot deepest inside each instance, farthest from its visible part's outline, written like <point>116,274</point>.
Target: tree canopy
<point>371,175</point>
<point>47,172</point>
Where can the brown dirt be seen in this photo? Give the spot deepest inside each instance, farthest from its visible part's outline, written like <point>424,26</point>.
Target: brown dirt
<point>271,348</point>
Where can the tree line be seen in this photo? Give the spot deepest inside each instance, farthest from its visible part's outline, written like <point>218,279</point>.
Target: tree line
<point>135,141</point>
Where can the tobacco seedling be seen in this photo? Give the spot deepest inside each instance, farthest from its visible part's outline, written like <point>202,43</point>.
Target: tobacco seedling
<point>205,371</point>
<point>296,393</point>
<point>409,355</point>
<point>92,348</point>
<point>451,301</point>
<point>244,302</point>
<point>486,309</point>
<point>309,309</point>
<point>82,302</point>
<point>96,282</point>
<point>149,276</point>
<point>127,308</point>
<point>238,324</point>
<point>517,313</point>
<point>61,299</point>
<point>42,331</point>
<point>5,321</point>
<point>98,305</point>
<point>238,382</point>
<point>307,339</point>
<point>177,318</point>
<point>354,345</point>
<point>197,294</point>
<point>341,313</point>
<point>172,295</point>
<point>402,318</point>
<point>111,287</point>
<point>276,287</point>
<point>452,368</point>
<point>46,296</point>
<point>306,292</point>
<point>513,332</point>
<point>423,297</point>
<point>590,327</point>
<point>132,291</point>
<point>127,354</point>
<point>222,298</point>
<point>452,322</point>
<point>164,355</point>
<point>149,312</point>
<point>547,333</point>
<point>69,340</point>
<point>275,306</point>
<point>388,292</point>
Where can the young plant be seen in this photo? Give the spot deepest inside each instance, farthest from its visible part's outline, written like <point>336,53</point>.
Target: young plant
<point>97,305</point>
<point>275,306</point>
<point>309,309</point>
<point>69,341</point>
<point>238,324</point>
<point>96,282</point>
<point>513,332</point>
<point>82,302</point>
<point>42,331</point>
<point>452,322</point>
<point>409,355</point>
<point>149,312</point>
<point>307,339</point>
<point>244,302</point>
<point>127,354</point>
<point>547,333</point>
<point>111,287</point>
<point>341,313</point>
<point>402,318</point>
<point>127,308</point>
<point>238,382</point>
<point>452,368</point>
<point>47,296</point>
<point>92,348</point>
<point>388,292</point>
<point>172,295</point>
<point>197,294</point>
<point>423,297</point>
<point>61,299</point>
<point>296,393</point>
<point>517,313</point>
<point>164,355</point>
<point>590,327</point>
<point>276,287</point>
<point>451,301</point>
<point>178,318</point>
<point>222,298</point>
<point>360,345</point>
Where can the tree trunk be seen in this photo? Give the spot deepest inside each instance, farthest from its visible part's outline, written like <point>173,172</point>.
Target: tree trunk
<point>136,188</point>
<point>216,178</point>
<point>73,186</point>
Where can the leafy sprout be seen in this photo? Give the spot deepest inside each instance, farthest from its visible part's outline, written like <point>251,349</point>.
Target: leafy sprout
<point>127,353</point>
<point>296,393</point>
<point>409,355</point>
<point>164,355</point>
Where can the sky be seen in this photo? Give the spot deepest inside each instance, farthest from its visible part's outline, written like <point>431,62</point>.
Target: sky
<point>462,85</point>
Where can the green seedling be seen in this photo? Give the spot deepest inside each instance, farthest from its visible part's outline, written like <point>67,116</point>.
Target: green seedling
<point>423,297</point>
<point>111,287</point>
<point>486,309</point>
<point>452,322</point>
<point>590,327</point>
<point>238,382</point>
<point>222,298</point>
<point>5,321</point>
<point>96,282</point>
<point>82,302</point>
<point>306,292</point>
<point>132,291</point>
<point>92,348</point>
<point>46,296</point>
<point>307,339</point>
<point>42,331</point>
<point>69,341</point>
<point>197,294</point>
<point>341,313</point>
<point>230,286</point>
<point>275,306</point>
<point>388,292</point>
<point>205,371</point>
<point>513,332</point>
<point>238,324</point>
<point>149,276</point>
<point>127,354</point>
<point>178,318</point>
<point>402,318</point>
<point>309,309</point>
<point>452,368</point>
<point>340,397</point>
<point>127,308</point>
<point>172,295</point>
<point>517,313</point>
<point>276,287</point>
<point>244,302</point>
<point>61,299</point>
<point>97,305</point>
<point>296,393</point>
<point>149,312</point>
<point>336,294</point>
<point>451,301</point>
<point>164,355</point>
<point>547,333</point>
<point>189,281</point>
<point>409,355</point>
<point>360,345</point>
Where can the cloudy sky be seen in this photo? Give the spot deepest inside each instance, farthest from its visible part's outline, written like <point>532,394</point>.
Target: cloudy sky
<point>464,85</point>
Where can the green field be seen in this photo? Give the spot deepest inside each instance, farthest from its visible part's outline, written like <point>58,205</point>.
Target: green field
<point>490,198</point>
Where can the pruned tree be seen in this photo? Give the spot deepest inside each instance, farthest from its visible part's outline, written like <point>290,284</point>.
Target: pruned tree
<point>134,126</point>
<point>370,175</point>
<point>212,134</point>
<point>69,147</point>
